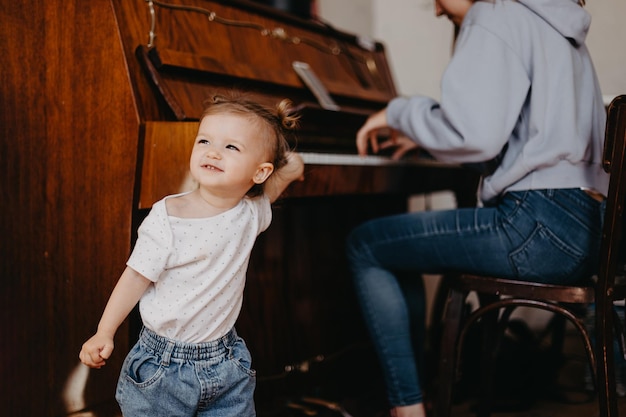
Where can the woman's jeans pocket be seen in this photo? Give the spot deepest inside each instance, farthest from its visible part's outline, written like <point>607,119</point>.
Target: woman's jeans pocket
<point>546,253</point>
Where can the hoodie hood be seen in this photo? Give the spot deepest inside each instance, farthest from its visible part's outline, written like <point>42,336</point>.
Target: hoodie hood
<point>566,16</point>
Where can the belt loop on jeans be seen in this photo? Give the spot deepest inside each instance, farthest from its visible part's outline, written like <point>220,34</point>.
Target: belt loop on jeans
<point>167,353</point>
<point>593,194</point>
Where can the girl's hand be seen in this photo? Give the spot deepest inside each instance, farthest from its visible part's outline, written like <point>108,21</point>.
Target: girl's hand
<point>294,169</point>
<point>96,350</point>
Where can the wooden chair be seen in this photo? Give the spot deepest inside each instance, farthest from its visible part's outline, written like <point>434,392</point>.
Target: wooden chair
<point>499,297</point>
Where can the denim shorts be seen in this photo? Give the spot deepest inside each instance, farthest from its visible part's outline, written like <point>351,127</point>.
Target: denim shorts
<point>164,377</point>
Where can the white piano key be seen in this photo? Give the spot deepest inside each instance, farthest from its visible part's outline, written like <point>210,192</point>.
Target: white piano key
<point>313,158</point>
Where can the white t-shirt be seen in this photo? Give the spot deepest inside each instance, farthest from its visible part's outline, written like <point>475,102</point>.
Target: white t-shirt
<point>198,268</point>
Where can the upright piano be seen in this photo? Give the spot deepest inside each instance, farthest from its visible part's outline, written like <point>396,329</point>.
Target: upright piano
<point>118,88</point>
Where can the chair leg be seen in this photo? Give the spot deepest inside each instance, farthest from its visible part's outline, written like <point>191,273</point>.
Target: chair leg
<point>446,378</point>
<point>605,364</point>
<point>557,327</point>
<point>491,335</point>
<point>619,333</point>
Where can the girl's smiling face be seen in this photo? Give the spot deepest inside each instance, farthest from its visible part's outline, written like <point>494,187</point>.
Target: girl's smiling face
<point>229,155</point>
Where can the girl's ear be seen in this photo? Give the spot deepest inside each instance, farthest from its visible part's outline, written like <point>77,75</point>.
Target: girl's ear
<point>263,172</point>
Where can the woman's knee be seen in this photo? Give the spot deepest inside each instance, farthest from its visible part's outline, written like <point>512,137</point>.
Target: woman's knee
<point>356,244</point>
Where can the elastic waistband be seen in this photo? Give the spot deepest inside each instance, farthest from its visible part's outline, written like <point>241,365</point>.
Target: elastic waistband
<point>187,351</point>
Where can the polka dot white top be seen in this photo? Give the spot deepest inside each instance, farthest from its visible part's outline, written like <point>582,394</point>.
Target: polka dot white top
<point>198,268</point>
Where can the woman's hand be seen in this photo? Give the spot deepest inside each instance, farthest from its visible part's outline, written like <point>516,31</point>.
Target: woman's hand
<point>368,134</point>
<point>376,126</point>
<point>402,145</point>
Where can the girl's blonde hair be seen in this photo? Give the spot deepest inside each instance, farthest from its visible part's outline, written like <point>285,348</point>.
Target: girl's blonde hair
<point>278,124</point>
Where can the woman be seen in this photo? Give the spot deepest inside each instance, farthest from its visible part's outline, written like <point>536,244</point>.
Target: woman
<point>520,89</point>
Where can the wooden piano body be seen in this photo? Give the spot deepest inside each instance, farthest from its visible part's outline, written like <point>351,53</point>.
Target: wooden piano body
<point>100,103</point>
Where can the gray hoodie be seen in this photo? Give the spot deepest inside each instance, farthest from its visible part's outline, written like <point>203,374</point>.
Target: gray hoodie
<point>520,76</point>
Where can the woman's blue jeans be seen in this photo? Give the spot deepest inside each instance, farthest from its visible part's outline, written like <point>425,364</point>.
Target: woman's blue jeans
<point>550,236</point>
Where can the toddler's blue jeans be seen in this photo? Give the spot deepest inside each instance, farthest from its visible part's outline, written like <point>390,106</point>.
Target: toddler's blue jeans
<point>166,378</point>
<point>550,236</point>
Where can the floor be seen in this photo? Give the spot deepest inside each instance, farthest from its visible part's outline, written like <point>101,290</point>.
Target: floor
<point>568,398</point>
<point>571,397</point>
<point>543,408</point>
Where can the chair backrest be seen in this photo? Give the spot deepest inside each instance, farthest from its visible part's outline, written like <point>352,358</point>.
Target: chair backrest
<point>612,251</point>
<point>611,257</point>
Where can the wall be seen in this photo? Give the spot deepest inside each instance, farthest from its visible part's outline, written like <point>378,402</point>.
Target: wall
<point>606,44</point>
<point>418,44</point>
